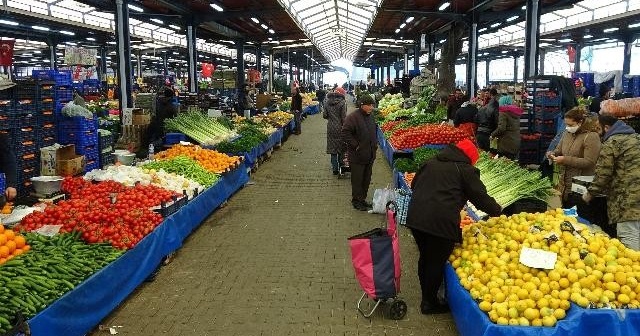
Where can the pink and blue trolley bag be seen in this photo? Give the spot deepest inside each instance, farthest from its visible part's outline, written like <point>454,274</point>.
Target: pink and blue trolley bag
<point>375,256</point>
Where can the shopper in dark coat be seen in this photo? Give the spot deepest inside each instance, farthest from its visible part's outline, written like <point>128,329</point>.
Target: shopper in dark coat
<point>487,121</point>
<point>465,118</point>
<point>165,109</point>
<point>359,136</point>
<point>8,166</point>
<point>335,111</point>
<point>321,94</point>
<point>296,109</point>
<point>441,188</point>
<point>508,130</point>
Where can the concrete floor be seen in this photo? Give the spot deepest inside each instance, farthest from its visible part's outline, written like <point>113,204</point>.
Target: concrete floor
<point>275,260</point>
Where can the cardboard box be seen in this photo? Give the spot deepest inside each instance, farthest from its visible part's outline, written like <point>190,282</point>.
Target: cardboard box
<point>141,119</point>
<point>61,161</point>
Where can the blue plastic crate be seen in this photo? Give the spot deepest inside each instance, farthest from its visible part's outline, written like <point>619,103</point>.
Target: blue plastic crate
<point>46,105</point>
<point>25,146</point>
<point>62,77</point>
<point>530,156</point>
<point>28,158</point>
<point>91,165</point>
<point>7,106</point>
<point>45,75</point>
<point>79,87</point>
<point>107,159</point>
<point>17,120</point>
<point>174,138</point>
<point>3,183</point>
<point>528,144</point>
<point>548,114</point>
<point>546,126</point>
<point>78,138</point>
<point>547,101</point>
<point>64,94</point>
<point>78,124</point>
<point>105,140</point>
<point>25,105</point>
<point>45,91</point>
<point>46,119</point>
<point>88,150</point>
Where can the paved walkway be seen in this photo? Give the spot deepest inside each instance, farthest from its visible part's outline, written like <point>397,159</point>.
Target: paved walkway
<point>275,260</point>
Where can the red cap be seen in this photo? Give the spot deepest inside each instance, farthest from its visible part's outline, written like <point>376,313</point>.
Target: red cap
<point>469,149</point>
<point>341,91</point>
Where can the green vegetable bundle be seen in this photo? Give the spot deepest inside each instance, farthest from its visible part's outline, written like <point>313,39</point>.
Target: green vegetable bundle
<point>251,135</point>
<point>189,168</point>
<point>55,265</point>
<point>507,182</point>
<point>420,156</point>
<point>206,131</point>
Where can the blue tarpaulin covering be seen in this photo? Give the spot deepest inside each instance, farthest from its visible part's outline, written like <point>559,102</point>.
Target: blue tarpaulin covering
<point>311,109</point>
<point>80,310</point>
<point>251,157</point>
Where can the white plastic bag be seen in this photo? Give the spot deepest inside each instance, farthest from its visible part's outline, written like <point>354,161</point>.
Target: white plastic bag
<point>380,199</point>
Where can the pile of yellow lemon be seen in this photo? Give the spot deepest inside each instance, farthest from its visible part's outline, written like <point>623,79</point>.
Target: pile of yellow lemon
<point>592,270</point>
<point>385,111</point>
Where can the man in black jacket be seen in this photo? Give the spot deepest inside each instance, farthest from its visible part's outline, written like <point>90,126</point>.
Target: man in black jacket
<point>441,188</point>
<point>487,121</point>
<point>8,167</point>
<point>359,135</point>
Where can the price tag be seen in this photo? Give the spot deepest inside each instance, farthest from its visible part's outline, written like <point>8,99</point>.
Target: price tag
<point>538,258</point>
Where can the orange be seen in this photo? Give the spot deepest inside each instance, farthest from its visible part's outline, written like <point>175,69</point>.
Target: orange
<point>10,234</point>
<point>20,241</point>
<point>18,252</point>
<point>1,228</point>
<point>11,245</point>
<point>3,239</point>
<point>3,260</point>
<point>4,251</point>
<point>26,248</point>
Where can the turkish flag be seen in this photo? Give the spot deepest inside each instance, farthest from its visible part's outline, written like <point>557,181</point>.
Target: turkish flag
<point>6,52</point>
<point>571,51</point>
<point>207,70</point>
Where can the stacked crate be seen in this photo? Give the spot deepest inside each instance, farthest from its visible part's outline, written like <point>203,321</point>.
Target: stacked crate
<point>63,86</point>
<point>106,145</point>
<point>543,106</point>
<point>46,117</point>
<point>83,133</point>
<point>91,87</point>
<point>18,121</point>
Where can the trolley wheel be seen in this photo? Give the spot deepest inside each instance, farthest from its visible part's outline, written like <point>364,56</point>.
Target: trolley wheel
<point>397,310</point>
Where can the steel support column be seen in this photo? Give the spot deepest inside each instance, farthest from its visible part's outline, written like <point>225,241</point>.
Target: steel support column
<point>193,57</point>
<point>123,43</point>
<point>626,63</point>
<point>515,69</point>
<point>576,65</point>
<point>270,85</point>
<point>165,65</point>
<point>102,68</point>
<point>432,56</point>
<point>416,57</point>
<point>53,58</point>
<point>139,59</point>
<point>472,71</point>
<point>543,54</point>
<point>406,62</point>
<point>487,67</point>
<point>259,58</point>
<point>240,62</point>
<point>532,38</point>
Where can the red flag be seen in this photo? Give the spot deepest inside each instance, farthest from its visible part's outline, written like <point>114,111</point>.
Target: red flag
<point>6,52</point>
<point>207,70</point>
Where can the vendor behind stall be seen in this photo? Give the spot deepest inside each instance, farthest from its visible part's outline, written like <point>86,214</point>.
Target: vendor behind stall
<point>165,109</point>
<point>8,167</point>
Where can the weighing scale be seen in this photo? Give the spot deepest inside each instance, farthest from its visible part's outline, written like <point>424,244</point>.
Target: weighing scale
<point>49,198</point>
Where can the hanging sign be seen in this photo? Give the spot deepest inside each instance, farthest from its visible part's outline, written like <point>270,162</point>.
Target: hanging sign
<point>80,56</point>
<point>423,42</point>
<point>339,32</point>
<point>6,52</point>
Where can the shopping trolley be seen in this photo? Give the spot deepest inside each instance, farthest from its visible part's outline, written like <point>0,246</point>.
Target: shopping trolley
<point>343,165</point>
<point>375,256</point>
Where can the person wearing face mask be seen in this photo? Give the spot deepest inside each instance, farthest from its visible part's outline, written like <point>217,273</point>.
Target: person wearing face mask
<point>576,153</point>
<point>617,177</point>
<point>359,136</point>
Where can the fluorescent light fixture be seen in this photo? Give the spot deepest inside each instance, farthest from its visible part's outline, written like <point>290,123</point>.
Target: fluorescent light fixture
<point>264,26</point>
<point>403,25</point>
<point>544,44</point>
<point>9,23</point>
<point>60,54</point>
<point>111,42</point>
<point>175,27</point>
<point>634,25</point>
<point>495,24</point>
<point>524,7</point>
<point>409,19</point>
<point>564,40</point>
<point>66,32</point>
<point>610,30</point>
<point>588,36</point>
<point>444,6</point>
<point>37,52</point>
<point>40,28</point>
<point>135,8</point>
<point>271,31</point>
<point>255,20</point>
<point>158,21</point>
<point>482,29</point>
<point>442,41</point>
<point>217,7</point>
<point>504,51</point>
<point>397,30</point>
<point>90,39</point>
<point>512,18</point>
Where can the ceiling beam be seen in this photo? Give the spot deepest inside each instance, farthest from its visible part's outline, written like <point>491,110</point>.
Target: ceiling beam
<point>228,15</point>
<point>428,14</point>
<point>497,16</point>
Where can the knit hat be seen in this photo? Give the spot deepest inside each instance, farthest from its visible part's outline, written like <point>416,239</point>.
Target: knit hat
<point>366,99</point>
<point>469,149</point>
<point>340,91</point>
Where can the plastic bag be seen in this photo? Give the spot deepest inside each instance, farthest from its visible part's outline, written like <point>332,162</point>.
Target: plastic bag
<point>493,144</point>
<point>380,199</point>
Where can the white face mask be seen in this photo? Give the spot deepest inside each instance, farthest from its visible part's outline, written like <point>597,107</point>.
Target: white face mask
<point>572,129</point>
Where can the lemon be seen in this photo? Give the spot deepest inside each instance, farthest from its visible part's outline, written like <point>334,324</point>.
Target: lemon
<point>502,321</point>
<point>559,314</point>
<point>537,323</point>
<point>523,322</point>
<point>623,298</point>
<point>621,278</point>
<point>485,306</point>
<point>549,321</point>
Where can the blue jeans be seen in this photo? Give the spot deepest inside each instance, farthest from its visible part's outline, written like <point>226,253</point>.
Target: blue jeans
<point>335,161</point>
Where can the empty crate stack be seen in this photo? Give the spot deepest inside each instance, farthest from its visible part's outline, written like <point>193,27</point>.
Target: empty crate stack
<point>544,111</point>
<point>46,118</point>
<point>106,146</point>
<point>83,133</point>
<point>18,122</point>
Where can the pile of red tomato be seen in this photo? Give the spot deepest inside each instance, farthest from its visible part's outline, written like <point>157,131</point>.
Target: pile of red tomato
<point>389,125</point>
<point>104,212</point>
<point>428,134</point>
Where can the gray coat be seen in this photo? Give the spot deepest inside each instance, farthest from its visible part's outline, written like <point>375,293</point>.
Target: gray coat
<point>335,111</point>
<point>360,138</point>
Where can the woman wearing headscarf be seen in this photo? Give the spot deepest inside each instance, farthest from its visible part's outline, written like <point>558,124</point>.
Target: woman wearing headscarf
<point>508,130</point>
<point>335,111</point>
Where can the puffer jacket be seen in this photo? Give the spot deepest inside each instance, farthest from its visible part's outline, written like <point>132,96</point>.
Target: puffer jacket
<point>360,138</point>
<point>441,187</point>
<point>617,175</point>
<point>508,130</point>
<point>487,118</point>
<point>335,111</point>
<point>580,151</point>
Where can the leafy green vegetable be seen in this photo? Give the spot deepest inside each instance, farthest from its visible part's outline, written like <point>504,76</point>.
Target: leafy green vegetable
<point>405,165</point>
<point>205,130</point>
<point>187,167</point>
<point>421,155</point>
